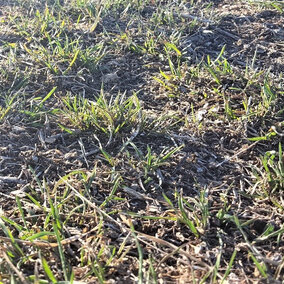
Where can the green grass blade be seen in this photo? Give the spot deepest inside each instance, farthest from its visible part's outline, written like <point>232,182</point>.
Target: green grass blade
<point>22,212</point>
<point>60,250</point>
<point>47,270</point>
<point>40,235</point>
<point>261,268</point>
<point>48,96</point>
<point>230,265</point>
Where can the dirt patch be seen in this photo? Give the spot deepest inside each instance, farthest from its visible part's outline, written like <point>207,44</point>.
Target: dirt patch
<point>250,37</point>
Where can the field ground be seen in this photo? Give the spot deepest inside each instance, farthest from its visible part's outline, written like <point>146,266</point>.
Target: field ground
<point>141,141</point>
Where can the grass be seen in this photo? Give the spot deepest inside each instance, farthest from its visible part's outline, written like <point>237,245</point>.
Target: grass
<point>128,154</point>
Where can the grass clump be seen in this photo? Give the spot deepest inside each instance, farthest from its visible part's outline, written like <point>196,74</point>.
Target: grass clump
<point>109,117</point>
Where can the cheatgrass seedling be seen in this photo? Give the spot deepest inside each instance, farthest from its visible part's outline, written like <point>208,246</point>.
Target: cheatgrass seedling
<point>277,5</point>
<point>4,110</point>
<point>48,270</point>
<point>182,214</point>
<point>274,167</point>
<point>109,116</point>
<point>153,162</point>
